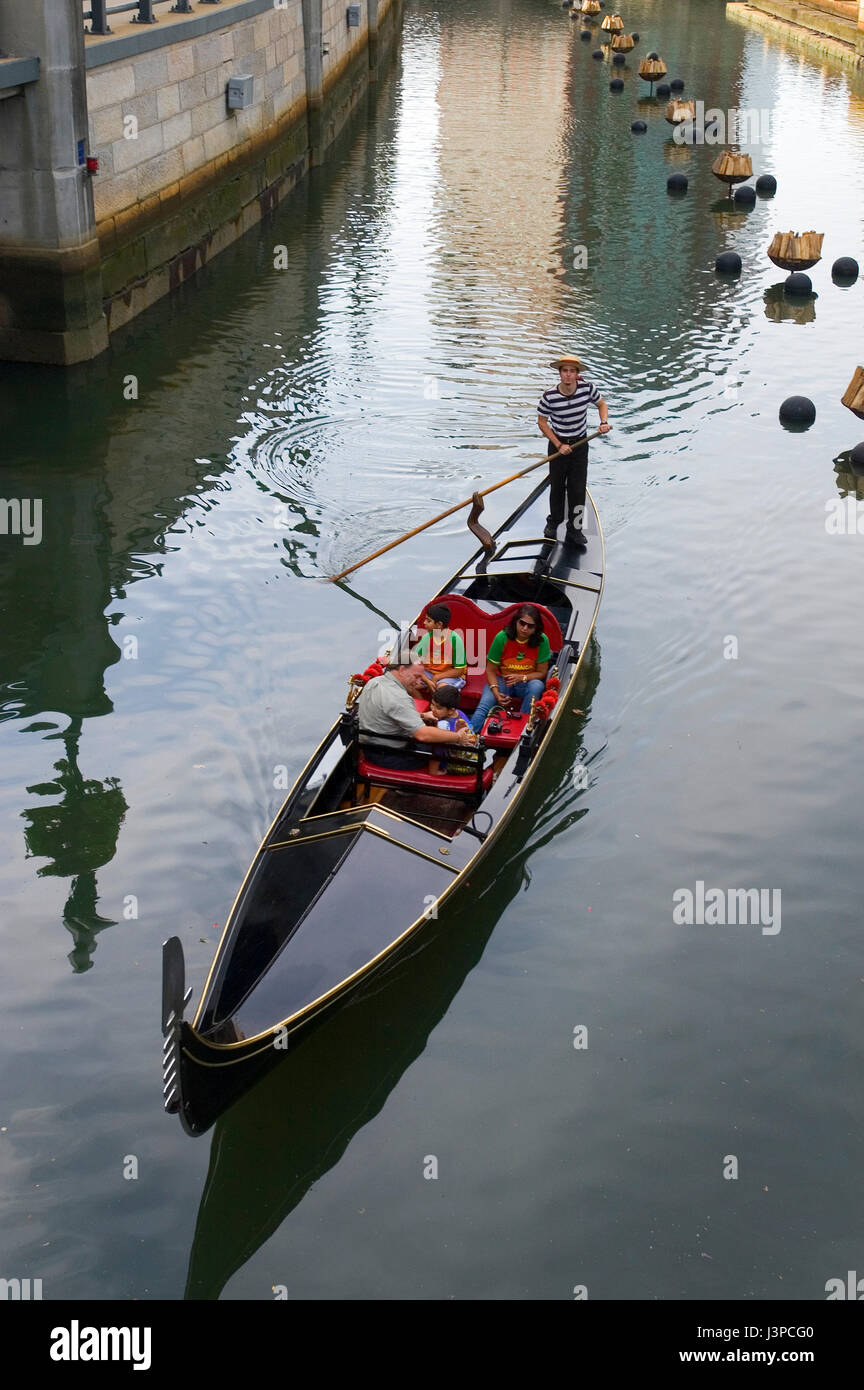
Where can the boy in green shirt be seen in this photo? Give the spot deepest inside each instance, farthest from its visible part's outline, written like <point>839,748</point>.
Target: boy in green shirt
<point>441,652</point>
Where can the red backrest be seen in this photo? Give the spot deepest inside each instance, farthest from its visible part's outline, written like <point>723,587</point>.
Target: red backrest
<point>466,617</point>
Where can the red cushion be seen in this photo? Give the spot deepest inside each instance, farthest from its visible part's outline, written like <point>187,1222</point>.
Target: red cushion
<point>393,777</point>
<point>470,621</point>
<point>465,616</point>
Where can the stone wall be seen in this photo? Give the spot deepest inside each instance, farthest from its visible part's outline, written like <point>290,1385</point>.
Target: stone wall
<point>180,175</point>
<point>832,28</point>
<point>160,117</point>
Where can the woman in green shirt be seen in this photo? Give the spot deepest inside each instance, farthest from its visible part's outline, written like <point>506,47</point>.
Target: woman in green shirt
<point>516,665</point>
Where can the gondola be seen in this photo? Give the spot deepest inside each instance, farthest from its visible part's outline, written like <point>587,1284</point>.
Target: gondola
<point>360,857</point>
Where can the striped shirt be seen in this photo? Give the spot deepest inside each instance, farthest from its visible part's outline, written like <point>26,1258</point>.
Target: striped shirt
<point>568,415</point>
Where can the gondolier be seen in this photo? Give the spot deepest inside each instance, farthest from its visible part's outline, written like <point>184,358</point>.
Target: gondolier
<point>562,417</point>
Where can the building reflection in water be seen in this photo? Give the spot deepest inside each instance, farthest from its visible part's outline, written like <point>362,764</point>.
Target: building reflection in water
<point>77,835</point>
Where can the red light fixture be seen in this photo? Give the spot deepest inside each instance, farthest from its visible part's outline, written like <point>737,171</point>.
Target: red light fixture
<point>92,164</point>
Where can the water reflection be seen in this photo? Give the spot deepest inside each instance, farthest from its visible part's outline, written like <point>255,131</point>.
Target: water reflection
<point>848,476</point>
<point>77,835</point>
<point>293,1126</point>
<point>785,308</point>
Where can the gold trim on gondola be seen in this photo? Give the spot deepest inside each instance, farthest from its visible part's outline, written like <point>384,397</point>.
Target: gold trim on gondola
<point>355,830</point>
<point>369,809</point>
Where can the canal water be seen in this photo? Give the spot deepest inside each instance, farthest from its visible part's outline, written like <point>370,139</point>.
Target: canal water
<point>568,1088</point>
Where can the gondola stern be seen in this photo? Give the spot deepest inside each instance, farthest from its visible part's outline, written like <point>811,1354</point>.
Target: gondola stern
<point>176,1033</point>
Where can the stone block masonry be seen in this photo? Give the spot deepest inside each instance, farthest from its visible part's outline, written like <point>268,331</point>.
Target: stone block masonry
<point>180,175</point>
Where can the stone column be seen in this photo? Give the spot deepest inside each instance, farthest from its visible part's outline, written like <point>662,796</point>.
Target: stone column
<point>50,273</point>
<point>312,38</point>
<point>372,11</point>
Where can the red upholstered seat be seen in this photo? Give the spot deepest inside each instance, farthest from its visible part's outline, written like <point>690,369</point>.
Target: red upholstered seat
<point>392,777</point>
<point>478,628</point>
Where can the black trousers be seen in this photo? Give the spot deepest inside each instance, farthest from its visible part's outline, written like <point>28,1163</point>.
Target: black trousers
<point>568,479</point>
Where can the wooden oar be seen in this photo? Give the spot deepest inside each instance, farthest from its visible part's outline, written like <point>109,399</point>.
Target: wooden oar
<point>459,505</point>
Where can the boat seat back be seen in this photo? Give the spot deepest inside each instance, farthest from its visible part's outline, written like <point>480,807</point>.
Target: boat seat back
<point>444,783</point>
<point>478,628</point>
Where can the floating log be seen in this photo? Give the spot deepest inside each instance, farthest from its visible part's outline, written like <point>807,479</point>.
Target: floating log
<point>853,396</point>
<point>732,167</point>
<point>844,269</point>
<point>728,263</point>
<point>613,23</point>
<point>798,410</point>
<point>796,251</point>
<point>678,111</point>
<point>798,285</point>
<point>622,43</point>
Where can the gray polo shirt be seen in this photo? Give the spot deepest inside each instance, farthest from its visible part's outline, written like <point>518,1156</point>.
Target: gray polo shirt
<point>386,708</point>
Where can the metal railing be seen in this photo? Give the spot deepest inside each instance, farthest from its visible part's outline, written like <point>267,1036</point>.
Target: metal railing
<point>100,9</point>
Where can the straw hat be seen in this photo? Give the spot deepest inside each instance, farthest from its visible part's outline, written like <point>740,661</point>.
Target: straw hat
<point>568,360</point>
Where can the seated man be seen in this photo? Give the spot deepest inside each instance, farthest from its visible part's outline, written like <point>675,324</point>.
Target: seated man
<point>441,652</point>
<point>386,707</point>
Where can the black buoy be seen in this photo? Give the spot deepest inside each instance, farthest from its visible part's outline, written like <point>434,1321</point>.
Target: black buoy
<point>766,184</point>
<point>745,193</point>
<point>635,37</point>
<point>663,89</point>
<point>845,268</point>
<point>638,127</point>
<point>797,410</point>
<point>618,59</point>
<point>598,53</point>
<point>676,85</point>
<point>616,85</point>
<point>728,263</point>
<point>676,183</point>
<point>797,284</point>
<point>856,459</point>
<point>653,55</point>
<point>585,35</point>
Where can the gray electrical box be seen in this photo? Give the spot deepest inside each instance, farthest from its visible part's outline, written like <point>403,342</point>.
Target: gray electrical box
<point>239,93</point>
<point>353,16</point>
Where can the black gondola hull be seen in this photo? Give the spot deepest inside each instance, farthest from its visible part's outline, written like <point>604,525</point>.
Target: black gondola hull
<point>319,912</point>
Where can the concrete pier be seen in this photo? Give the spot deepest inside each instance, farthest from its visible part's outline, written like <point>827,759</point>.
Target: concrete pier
<point>831,28</point>
<point>50,275</point>
<point>183,169</point>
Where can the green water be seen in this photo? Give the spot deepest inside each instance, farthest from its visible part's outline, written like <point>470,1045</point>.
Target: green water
<point>166,658</point>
